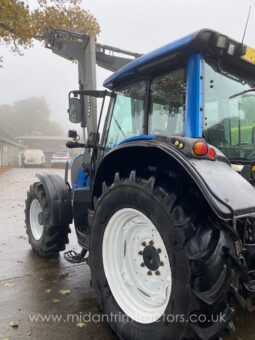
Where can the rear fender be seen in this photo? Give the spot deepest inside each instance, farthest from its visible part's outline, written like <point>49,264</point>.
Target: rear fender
<point>228,194</point>
<point>58,198</point>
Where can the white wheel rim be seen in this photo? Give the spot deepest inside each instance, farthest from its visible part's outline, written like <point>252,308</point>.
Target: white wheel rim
<point>36,227</point>
<point>140,292</point>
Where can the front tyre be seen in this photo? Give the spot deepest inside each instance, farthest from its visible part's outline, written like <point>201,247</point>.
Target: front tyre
<point>45,239</point>
<point>157,259</point>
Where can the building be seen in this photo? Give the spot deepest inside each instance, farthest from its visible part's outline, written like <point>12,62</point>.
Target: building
<point>49,145</point>
<point>10,151</point>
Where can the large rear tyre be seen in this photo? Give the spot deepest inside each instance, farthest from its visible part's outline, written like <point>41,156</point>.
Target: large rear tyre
<point>45,239</point>
<point>158,263</point>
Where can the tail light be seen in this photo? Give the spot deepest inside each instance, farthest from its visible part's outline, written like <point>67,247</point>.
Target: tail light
<point>211,153</point>
<point>200,148</point>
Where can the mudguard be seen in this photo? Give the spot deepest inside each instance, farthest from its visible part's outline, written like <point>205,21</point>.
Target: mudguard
<point>227,192</point>
<point>58,198</point>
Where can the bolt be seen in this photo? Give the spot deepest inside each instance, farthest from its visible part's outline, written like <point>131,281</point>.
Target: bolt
<point>149,273</point>
<point>157,272</point>
<point>140,252</point>
<point>158,250</point>
<point>144,244</point>
<point>161,263</point>
<point>151,243</point>
<point>142,264</point>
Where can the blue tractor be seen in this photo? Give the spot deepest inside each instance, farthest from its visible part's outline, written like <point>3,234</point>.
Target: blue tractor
<point>163,197</point>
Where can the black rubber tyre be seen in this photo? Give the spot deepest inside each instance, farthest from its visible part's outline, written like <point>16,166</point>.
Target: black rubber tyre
<point>54,238</point>
<point>197,244</point>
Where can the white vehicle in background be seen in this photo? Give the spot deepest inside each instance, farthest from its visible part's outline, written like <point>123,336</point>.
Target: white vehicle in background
<point>33,157</point>
<point>59,159</point>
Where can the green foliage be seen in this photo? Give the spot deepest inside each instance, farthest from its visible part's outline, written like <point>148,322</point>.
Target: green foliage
<point>20,22</point>
<point>246,135</point>
<point>247,105</point>
<point>28,117</point>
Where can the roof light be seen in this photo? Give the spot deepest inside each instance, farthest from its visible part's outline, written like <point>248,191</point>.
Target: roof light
<point>200,148</point>
<point>231,49</point>
<point>221,41</point>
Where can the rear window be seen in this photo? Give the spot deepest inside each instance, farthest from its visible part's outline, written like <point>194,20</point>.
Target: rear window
<point>61,154</point>
<point>33,151</point>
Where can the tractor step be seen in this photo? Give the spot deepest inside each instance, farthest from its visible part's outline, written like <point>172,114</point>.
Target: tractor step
<point>73,257</point>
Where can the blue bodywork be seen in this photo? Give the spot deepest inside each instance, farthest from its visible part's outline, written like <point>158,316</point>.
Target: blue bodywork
<point>194,97</point>
<point>134,138</point>
<point>181,45</point>
<point>83,180</point>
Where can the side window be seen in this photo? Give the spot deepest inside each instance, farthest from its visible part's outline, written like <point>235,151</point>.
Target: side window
<point>128,114</point>
<point>167,103</point>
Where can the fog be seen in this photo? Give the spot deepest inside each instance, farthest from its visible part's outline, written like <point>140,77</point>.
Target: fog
<point>135,25</point>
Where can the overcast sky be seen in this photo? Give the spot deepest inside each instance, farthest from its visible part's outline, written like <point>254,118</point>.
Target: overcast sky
<point>135,25</point>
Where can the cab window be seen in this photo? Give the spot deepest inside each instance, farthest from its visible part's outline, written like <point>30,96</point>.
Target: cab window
<point>167,103</point>
<point>127,115</point>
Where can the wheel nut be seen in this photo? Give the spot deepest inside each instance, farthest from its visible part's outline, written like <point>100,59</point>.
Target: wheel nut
<point>157,272</point>
<point>151,243</point>
<point>140,252</point>
<point>149,273</point>
<point>161,263</point>
<point>142,265</point>
<point>158,250</point>
<point>144,244</point>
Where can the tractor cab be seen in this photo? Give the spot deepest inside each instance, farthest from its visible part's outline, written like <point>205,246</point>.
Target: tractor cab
<point>201,86</point>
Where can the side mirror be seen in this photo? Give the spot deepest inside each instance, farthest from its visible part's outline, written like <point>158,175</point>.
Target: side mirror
<point>74,110</point>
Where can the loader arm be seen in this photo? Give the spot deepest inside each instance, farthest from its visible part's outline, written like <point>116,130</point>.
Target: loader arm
<point>83,48</point>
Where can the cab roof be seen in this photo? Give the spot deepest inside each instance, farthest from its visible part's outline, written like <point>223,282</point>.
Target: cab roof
<point>203,41</point>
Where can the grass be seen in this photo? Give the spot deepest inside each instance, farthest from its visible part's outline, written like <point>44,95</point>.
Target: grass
<point>246,134</point>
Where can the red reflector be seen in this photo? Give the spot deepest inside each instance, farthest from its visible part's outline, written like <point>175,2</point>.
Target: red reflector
<point>211,153</point>
<point>200,148</point>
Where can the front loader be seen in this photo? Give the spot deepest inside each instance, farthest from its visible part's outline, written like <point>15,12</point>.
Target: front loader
<point>163,198</point>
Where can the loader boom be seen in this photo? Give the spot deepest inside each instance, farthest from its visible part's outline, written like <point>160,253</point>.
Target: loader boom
<point>83,49</point>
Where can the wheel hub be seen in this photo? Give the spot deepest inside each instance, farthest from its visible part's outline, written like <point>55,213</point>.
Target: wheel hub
<point>151,258</point>
<point>36,219</point>
<point>40,218</point>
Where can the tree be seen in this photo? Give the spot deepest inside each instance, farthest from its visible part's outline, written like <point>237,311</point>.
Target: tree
<point>53,129</point>
<point>28,117</point>
<point>20,23</point>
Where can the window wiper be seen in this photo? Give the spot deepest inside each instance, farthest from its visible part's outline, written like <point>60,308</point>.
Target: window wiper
<point>119,127</point>
<point>243,92</point>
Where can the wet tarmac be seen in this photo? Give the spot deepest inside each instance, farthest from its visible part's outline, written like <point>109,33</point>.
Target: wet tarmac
<point>51,299</point>
<point>47,299</point>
